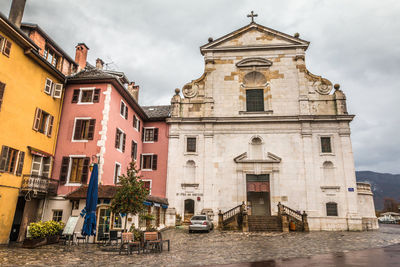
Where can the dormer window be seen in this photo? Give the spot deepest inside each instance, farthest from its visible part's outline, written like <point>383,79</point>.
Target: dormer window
<point>51,56</point>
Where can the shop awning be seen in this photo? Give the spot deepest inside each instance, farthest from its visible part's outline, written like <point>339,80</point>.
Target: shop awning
<point>38,152</point>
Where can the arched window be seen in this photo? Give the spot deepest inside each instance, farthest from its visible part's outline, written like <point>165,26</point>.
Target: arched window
<point>190,172</point>
<point>331,209</point>
<point>329,173</point>
<point>256,148</point>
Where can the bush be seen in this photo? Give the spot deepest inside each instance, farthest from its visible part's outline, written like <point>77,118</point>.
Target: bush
<point>44,229</point>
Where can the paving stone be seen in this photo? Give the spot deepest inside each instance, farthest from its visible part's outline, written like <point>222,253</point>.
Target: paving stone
<point>207,248</point>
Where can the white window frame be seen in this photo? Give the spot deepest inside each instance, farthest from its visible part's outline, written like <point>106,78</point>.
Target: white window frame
<point>73,131</point>
<point>144,134</point>
<point>62,213</point>
<point>56,90</point>
<point>185,144</point>
<point>119,148</point>
<point>80,95</point>
<point>116,179</point>
<point>137,128</point>
<point>151,164</point>
<point>122,115</point>
<point>41,165</point>
<point>332,153</point>
<point>151,183</point>
<point>50,92</point>
<point>70,167</point>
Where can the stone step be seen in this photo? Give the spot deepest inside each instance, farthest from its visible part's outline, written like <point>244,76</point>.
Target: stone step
<point>264,223</point>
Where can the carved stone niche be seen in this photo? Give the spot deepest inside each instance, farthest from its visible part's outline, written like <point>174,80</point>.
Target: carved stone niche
<point>256,80</point>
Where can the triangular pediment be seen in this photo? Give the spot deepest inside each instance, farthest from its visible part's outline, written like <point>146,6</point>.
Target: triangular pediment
<point>271,158</point>
<point>254,36</point>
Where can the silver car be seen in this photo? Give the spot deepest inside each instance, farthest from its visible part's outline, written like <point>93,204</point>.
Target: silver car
<point>200,223</point>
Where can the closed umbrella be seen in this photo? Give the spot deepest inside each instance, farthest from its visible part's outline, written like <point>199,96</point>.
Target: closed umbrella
<point>89,226</point>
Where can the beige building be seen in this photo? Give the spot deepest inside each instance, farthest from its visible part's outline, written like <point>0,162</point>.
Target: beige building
<point>258,127</point>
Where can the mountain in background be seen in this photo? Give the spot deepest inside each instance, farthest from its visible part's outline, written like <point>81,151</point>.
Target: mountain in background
<point>382,185</point>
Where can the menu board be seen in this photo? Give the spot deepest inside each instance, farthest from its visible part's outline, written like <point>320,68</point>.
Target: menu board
<point>70,226</point>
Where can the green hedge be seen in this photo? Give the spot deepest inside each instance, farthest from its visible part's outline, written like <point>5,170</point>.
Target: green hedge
<point>44,229</point>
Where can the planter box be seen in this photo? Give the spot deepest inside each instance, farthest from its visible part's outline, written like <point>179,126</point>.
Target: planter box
<point>33,243</point>
<point>53,239</point>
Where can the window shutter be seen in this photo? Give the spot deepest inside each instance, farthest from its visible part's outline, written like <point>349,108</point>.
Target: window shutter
<point>134,121</point>
<point>126,112</point>
<point>138,125</point>
<point>134,150</point>
<point>2,86</point>
<point>117,139</point>
<point>154,166</point>
<point>142,134</point>
<point>36,121</point>
<point>75,96</point>
<point>85,170</point>
<point>92,124</point>
<point>7,48</point>
<point>20,163</point>
<point>64,170</point>
<point>96,95</point>
<point>141,160</point>
<point>155,134</point>
<point>57,90</point>
<point>122,108</point>
<point>50,126</point>
<point>123,142</point>
<point>47,86</point>
<point>78,129</point>
<point>3,157</point>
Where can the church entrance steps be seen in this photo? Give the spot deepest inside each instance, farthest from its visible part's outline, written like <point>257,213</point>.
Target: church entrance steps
<point>264,223</point>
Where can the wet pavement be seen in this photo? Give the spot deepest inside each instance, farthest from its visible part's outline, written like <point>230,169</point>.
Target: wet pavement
<point>378,257</point>
<point>232,248</point>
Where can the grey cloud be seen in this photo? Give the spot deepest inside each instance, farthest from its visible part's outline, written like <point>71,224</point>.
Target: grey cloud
<point>156,43</point>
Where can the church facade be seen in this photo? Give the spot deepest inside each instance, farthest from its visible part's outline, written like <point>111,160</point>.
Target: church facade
<point>257,127</point>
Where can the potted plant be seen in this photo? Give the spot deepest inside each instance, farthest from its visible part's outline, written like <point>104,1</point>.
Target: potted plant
<point>42,233</point>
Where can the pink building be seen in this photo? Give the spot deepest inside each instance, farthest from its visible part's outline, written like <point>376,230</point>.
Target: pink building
<point>101,116</point>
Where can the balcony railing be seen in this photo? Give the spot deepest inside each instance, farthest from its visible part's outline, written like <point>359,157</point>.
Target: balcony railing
<point>39,184</point>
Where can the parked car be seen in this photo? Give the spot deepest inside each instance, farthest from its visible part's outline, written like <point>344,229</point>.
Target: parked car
<point>200,223</point>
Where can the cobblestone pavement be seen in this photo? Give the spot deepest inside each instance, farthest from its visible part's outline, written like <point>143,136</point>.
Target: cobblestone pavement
<point>207,249</point>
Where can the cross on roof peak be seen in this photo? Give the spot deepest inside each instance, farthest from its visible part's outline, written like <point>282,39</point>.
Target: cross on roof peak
<point>252,15</point>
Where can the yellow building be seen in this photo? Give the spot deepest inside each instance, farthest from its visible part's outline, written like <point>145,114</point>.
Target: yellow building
<point>31,93</point>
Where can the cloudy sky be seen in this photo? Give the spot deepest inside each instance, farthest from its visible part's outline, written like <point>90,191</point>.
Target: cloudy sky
<point>156,43</point>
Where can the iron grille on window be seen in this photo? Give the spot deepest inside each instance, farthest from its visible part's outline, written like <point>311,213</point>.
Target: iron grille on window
<point>191,144</point>
<point>326,145</point>
<point>255,100</point>
<point>331,209</point>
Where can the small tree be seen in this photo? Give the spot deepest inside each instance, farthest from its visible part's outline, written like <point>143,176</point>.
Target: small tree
<point>131,193</point>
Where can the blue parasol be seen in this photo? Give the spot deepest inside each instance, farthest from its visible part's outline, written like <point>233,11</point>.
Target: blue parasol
<point>89,226</point>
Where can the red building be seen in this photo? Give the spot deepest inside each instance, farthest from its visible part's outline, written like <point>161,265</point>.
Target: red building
<point>101,116</point>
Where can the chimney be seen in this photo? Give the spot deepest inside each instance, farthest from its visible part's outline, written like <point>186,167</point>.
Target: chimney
<point>134,91</point>
<point>81,55</point>
<point>99,64</point>
<point>16,12</point>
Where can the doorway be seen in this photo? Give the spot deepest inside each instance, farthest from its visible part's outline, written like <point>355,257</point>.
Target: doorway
<point>103,225</point>
<point>189,209</point>
<point>258,195</point>
<point>19,211</point>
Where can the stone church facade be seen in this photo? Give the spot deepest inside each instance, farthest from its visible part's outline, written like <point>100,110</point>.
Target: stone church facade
<point>257,127</point>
